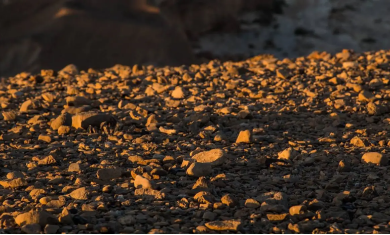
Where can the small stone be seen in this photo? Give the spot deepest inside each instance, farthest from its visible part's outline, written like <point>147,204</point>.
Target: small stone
<point>215,157</point>
<point>369,193</point>
<point>252,203</point>
<point>76,110</point>
<point>350,64</point>
<point>135,159</point>
<point>282,73</point>
<point>244,137</point>
<point>47,160</point>
<point>14,183</point>
<point>65,217</point>
<point>9,116</point>
<point>64,119</point>
<point>29,106</point>
<point>109,173</point>
<point>365,96</point>
<point>297,210</point>
<point>277,217</point>
<point>44,200</point>
<point>199,169</point>
<point>339,199</point>
<point>62,130</point>
<point>167,131</point>
<point>49,97</point>
<point>356,141</point>
<point>40,217</point>
<point>375,158</point>
<point>149,194</point>
<point>51,229</point>
<point>152,119</point>
<point>15,175</point>
<point>74,167</point>
<point>44,138</point>
<point>69,70</point>
<point>141,182</point>
<point>36,193</point>
<point>343,166</point>
<point>31,228</point>
<point>201,229</point>
<point>36,120</point>
<point>204,197</point>
<point>373,109</point>
<point>178,93</point>
<point>226,225</point>
<point>127,220</point>
<point>159,172</point>
<point>77,101</point>
<point>287,154</point>
<point>208,215</point>
<point>86,119</point>
<point>228,200</point>
<point>315,205</point>
<point>80,194</point>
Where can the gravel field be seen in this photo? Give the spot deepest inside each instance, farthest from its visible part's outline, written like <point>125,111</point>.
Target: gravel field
<point>257,146</point>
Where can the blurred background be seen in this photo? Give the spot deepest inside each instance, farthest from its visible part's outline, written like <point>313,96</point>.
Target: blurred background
<point>42,34</point>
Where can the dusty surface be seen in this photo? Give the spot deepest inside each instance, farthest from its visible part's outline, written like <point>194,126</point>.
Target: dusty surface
<point>259,146</point>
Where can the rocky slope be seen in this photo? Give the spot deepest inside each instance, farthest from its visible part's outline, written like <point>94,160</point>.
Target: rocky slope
<point>257,146</point>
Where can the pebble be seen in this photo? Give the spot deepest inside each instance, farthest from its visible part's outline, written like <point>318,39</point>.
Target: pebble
<point>45,138</point>
<point>15,175</point>
<point>80,194</point>
<point>228,200</point>
<point>215,157</point>
<point>375,158</point>
<point>244,137</point>
<point>64,119</point>
<point>287,154</point>
<point>141,182</point>
<point>51,229</point>
<point>297,210</point>
<point>109,173</point>
<point>199,169</point>
<point>74,167</point>
<point>14,183</point>
<point>277,217</point>
<point>226,225</point>
<point>252,203</point>
<point>63,130</point>
<point>208,215</point>
<point>30,106</point>
<point>77,101</point>
<point>40,217</point>
<point>31,228</point>
<point>86,119</point>
<point>65,217</point>
<point>178,93</point>
<point>127,220</point>
<point>9,116</point>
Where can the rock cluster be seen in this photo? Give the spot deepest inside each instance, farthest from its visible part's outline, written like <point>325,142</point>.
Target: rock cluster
<point>257,146</point>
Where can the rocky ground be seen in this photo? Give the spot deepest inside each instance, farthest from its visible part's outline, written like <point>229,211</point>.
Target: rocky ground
<point>258,146</point>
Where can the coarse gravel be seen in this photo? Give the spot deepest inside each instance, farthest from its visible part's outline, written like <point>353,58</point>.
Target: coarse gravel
<point>258,146</point>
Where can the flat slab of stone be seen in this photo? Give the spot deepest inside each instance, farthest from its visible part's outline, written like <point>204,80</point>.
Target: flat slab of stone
<point>215,157</point>
<point>226,225</point>
<point>375,158</point>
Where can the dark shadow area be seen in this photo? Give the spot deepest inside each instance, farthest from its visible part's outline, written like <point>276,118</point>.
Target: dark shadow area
<point>99,34</point>
<point>50,34</point>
